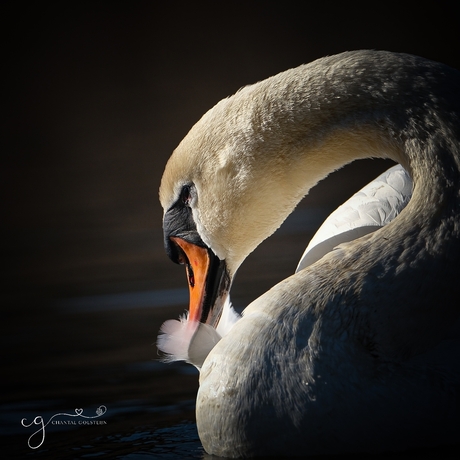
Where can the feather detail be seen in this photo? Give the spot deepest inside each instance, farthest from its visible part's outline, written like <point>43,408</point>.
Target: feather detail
<point>373,207</point>
<point>228,318</point>
<point>204,340</point>
<point>174,338</point>
<point>191,341</point>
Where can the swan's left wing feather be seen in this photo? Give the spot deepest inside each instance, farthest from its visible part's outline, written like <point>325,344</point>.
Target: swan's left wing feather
<point>374,206</point>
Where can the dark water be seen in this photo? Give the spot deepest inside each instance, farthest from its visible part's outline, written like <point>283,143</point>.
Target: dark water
<point>83,361</point>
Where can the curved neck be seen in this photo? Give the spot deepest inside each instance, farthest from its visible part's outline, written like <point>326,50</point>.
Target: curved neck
<point>272,141</point>
<point>307,122</point>
<point>408,269</point>
<point>344,107</point>
<point>295,128</point>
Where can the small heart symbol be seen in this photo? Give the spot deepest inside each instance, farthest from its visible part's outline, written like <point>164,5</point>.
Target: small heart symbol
<point>78,411</point>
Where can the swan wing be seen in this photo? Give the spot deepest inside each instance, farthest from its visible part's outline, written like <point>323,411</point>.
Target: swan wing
<point>374,206</point>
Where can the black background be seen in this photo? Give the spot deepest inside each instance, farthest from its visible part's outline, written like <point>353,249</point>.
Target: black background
<point>96,96</point>
<point>100,93</point>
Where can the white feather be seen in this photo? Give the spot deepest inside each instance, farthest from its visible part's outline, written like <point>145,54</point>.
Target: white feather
<point>174,338</point>
<point>191,341</point>
<point>228,319</point>
<point>373,207</point>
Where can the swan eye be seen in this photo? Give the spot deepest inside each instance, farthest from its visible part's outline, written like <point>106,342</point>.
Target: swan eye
<point>186,195</point>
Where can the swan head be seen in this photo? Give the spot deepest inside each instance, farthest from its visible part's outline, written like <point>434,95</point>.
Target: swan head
<point>245,165</point>
<point>224,190</point>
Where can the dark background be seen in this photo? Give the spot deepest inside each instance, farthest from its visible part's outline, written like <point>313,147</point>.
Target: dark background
<point>102,92</point>
<point>97,95</point>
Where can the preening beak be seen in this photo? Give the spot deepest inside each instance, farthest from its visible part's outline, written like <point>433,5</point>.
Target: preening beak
<point>207,275</point>
<point>208,282</point>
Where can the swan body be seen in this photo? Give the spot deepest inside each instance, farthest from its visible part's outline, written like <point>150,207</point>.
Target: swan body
<point>360,350</point>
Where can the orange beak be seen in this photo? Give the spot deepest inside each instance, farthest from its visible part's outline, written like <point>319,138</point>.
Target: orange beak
<point>208,281</point>
<point>196,268</point>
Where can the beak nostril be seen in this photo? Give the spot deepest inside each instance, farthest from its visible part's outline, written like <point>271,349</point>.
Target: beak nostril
<point>190,275</point>
<point>181,257</point>
<point>175,252</point>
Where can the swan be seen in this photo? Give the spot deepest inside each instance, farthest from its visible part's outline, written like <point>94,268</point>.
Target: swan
<point>358,351</point>
<point>372,207</point>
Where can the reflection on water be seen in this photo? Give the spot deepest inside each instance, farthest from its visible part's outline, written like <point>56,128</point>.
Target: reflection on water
<point>143,299</point>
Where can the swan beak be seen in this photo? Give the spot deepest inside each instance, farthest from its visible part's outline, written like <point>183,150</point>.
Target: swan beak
<point>208,281</point>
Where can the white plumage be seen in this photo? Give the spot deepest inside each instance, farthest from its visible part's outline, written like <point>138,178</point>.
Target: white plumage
<point>360,350</point>
<point>183,340</point>
<point>374,206</point>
